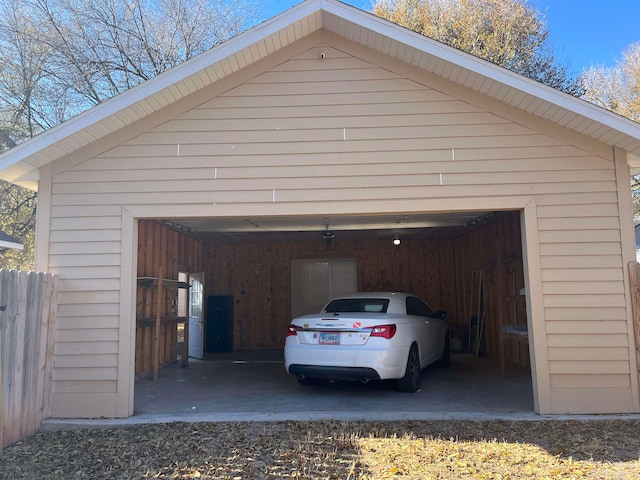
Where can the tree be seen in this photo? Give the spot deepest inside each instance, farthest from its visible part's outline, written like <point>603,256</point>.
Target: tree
<point>61,57</point>
<point>99,48</point>
<point>21,70</point>
<point>618,89</point>
<point>508,33</point>
<point>18,219</point>
<point>22,77</point>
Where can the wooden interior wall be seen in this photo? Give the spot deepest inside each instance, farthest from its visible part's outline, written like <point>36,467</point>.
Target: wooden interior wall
<point>495,250</point>
<point>258,276</point>
<point>160,247</point>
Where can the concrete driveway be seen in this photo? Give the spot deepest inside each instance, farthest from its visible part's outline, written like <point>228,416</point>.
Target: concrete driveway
<point>254,386</point>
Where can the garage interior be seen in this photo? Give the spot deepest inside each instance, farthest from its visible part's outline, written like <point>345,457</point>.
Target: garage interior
<point>469,264</point>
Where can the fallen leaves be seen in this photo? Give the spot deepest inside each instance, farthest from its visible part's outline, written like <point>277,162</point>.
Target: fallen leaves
<point>496,450</point>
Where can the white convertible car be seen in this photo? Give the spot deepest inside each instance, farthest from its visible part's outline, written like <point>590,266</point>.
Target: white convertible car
<point>368,336</point>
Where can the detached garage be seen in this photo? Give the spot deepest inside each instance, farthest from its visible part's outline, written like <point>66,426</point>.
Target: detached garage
<point>317,138</point>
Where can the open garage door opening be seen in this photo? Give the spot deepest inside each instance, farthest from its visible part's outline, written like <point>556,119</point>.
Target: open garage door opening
<point>468,264</point>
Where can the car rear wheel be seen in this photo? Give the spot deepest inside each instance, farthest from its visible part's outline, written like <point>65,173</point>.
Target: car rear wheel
<point>411,380</point>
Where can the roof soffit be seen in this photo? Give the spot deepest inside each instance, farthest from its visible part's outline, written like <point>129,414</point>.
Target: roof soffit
<point>19,164</point>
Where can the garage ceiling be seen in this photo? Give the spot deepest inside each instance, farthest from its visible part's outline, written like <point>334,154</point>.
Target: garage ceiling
<point>310,228</point>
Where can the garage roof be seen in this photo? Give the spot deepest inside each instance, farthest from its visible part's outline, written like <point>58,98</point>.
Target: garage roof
<point>21,164</point>
<point>7,241</point>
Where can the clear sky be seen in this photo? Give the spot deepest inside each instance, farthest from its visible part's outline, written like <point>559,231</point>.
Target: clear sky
<point>583,32</point>
<point>591,32</point>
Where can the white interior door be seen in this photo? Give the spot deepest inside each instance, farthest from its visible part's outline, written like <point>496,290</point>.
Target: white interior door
<point>196,315</point>
<point>315,282</point>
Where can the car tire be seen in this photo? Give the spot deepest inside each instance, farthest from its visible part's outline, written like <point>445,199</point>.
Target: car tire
<point>445,360</point>
<point>308,381</point>
<point>410,382</point>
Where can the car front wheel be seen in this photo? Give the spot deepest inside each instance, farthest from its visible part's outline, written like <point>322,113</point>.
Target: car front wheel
<point>411,380</point>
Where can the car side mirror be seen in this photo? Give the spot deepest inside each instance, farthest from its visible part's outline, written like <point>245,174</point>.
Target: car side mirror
<point>441,314</point>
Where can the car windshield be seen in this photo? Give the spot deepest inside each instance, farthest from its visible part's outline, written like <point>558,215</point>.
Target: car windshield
<point>360,305</point>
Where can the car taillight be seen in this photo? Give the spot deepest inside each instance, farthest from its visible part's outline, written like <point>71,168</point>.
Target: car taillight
<point>292,330</point>
<point>384,331</point>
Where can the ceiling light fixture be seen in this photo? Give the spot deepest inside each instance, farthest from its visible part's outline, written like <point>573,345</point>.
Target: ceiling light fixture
<point>396,241</point>
<point>328,235</point>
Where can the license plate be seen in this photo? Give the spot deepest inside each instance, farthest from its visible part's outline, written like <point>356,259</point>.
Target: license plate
<point>329,338</point>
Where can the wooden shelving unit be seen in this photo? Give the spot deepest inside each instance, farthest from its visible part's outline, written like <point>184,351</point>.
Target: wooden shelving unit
<point>510,334</point>
<point>160,283</point>
<point>167,282</point>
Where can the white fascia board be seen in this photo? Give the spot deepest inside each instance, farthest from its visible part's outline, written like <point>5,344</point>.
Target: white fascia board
<point>13,245</point>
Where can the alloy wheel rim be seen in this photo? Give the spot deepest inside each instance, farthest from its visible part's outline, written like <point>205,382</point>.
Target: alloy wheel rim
<point>415,369</point>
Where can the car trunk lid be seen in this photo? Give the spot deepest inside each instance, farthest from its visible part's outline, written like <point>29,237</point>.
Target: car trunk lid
<point>341,329</point>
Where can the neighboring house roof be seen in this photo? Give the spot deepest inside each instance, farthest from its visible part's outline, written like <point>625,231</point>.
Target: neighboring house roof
<point>21,164</point>
<point>7,241</point>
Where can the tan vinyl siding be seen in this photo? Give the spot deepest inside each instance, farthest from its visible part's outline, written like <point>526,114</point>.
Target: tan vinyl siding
<point>586,318</point>
<point>85,249</point>
<point>356,137</point>
<point>584,381</point>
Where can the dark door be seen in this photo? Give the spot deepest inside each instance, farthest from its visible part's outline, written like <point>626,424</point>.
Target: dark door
<point>219,328</point>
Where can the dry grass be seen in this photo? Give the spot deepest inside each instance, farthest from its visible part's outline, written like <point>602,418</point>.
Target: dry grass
<point>335,450</point>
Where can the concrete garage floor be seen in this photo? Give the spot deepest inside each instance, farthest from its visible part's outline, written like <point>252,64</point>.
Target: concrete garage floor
<point>253,385</point>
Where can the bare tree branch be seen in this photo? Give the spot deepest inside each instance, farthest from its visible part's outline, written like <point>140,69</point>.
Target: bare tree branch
<point>509,33</point>
<point>60,57</point>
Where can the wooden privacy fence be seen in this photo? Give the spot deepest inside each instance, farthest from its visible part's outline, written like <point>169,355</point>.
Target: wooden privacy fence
<point>28,304</point>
